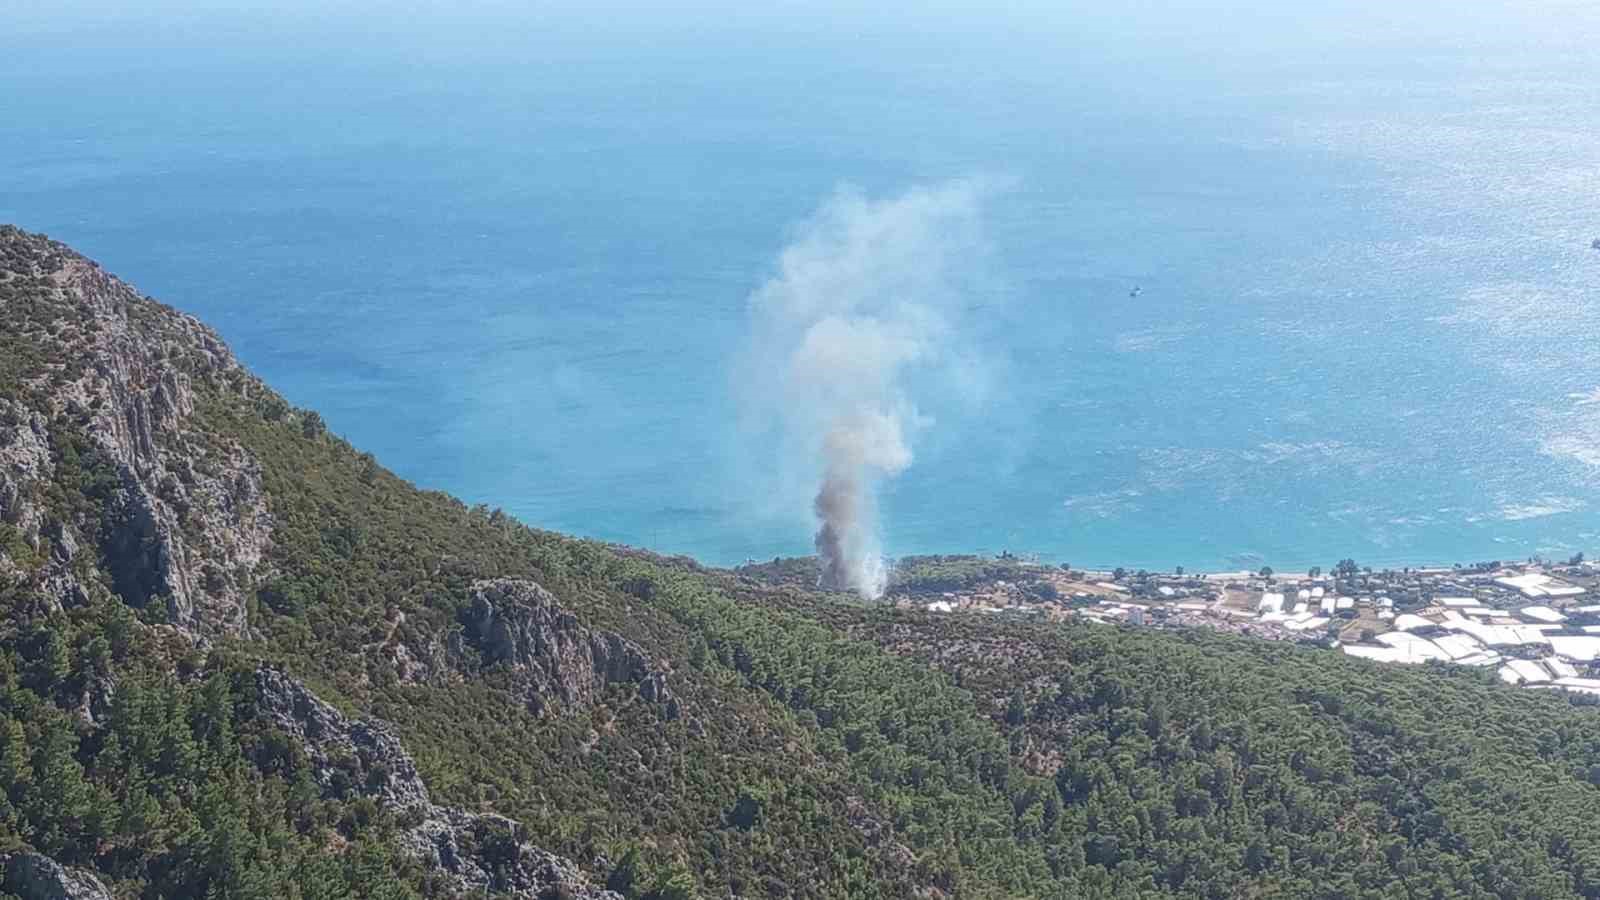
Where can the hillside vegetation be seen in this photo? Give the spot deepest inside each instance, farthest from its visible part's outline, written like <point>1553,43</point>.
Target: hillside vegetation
<point>583,720</point>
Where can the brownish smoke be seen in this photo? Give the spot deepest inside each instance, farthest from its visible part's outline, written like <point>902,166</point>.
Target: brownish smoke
<point>838,507</point>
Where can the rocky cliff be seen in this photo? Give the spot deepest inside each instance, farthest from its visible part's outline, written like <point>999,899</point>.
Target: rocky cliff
<point>177,519</point>
<point>32,876</point>
<point>479,852</point>
<point>520,625</point>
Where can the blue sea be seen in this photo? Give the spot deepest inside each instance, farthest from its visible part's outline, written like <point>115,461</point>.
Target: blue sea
<point>511,251</point>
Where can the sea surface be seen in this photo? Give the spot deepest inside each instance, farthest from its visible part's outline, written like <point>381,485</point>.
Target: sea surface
<point>511,254</point>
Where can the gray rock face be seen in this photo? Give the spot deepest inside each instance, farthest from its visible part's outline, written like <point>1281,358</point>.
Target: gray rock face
<point>521,625</point>
<point>32,876</point>
<point>185,521</point>
<point>358,756</point>
<point>363,757</point>
<point>25,468</point>
<point>24,463</point>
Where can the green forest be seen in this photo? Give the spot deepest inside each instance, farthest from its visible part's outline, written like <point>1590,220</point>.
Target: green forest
<point>823,748</point>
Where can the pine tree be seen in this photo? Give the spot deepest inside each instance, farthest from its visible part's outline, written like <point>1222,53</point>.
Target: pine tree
<point>59,802</point>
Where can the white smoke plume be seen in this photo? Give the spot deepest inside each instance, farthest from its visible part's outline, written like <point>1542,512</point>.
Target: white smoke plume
<point>865,297</point>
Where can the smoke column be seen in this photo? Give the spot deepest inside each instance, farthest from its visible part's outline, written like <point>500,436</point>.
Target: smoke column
<point>862,301</point>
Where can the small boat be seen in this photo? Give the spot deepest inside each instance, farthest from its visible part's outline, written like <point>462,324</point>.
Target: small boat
<point>1139,290</point>
<point>1595,245</point>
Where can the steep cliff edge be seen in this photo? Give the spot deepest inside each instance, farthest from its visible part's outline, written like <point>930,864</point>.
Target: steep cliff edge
<point>479,852</point>
<point>175,518</point>
<point>520,625</point>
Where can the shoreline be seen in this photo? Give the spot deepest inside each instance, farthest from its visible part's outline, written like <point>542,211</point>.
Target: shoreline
<point>1535,624</point>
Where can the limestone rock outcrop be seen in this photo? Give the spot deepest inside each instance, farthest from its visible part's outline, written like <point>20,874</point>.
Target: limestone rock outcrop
<point>521,625</point>
<point>180,518</point>
<point>364,757</point>
<point>33,876</point>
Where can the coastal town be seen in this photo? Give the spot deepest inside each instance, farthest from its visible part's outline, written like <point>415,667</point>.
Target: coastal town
<point>1535,623</point>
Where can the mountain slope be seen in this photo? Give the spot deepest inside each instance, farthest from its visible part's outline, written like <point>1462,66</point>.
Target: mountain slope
<point>241,658</point>
<point>157,497</point>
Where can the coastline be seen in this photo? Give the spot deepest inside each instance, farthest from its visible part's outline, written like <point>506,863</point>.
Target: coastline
<point>1535,624</point>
